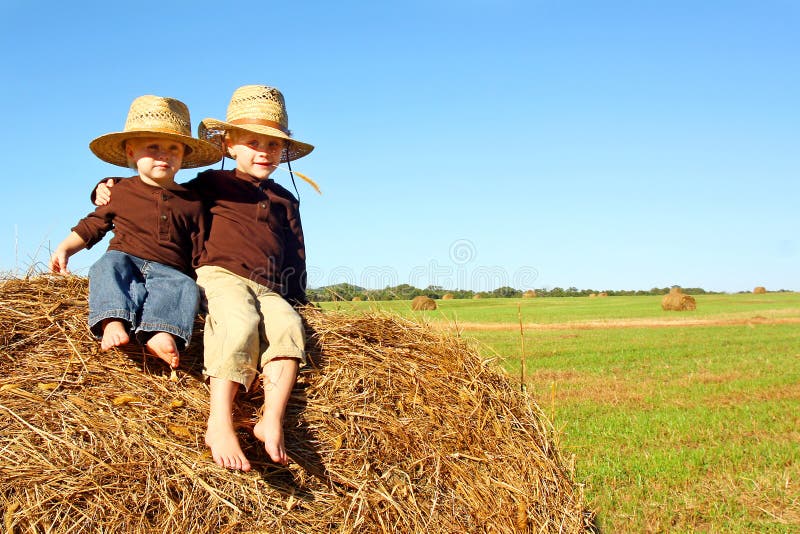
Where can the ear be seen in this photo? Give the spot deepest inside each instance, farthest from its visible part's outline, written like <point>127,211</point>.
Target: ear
<point>227,145</point>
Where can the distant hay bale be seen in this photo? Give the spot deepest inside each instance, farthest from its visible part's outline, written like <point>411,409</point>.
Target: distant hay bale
<point>602,294</point>
<point>356,299</point>
<point>393,427</point>
<point>529,294</point>
<point>476,296</point>
<point>423,303</point>
<point>448,296</point>
<point>592,295</point>
<point>676,300</point>
<point>759,290</point>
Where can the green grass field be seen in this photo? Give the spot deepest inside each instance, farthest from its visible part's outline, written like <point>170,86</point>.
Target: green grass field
<point>674,426</point>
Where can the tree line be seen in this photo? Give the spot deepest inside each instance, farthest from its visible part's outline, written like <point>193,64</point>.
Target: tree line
<point>346,291</point>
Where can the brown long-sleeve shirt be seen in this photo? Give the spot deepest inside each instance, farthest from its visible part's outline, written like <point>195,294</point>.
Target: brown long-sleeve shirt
<point>255,231</point>
<point>163,225</point>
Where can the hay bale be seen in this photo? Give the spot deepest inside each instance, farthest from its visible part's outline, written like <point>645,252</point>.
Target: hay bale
<point>759,290</point>
<point>423,303</point>
<point>676,300</point>
<point>592,295</point>
<point>448,296</point>
<point>477,296</point>
<point>529,294</point>
<point>394,427</point>
<point>356,299</point>
<point>602,294</point>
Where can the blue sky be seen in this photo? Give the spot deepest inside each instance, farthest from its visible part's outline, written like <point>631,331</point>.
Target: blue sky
<point>471,144</point>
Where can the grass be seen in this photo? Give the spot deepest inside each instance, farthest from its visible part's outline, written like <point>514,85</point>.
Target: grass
<point>566,309</point>
<point>674,429</point>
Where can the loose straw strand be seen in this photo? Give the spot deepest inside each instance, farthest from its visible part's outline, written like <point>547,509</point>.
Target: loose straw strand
<point>305,178</point>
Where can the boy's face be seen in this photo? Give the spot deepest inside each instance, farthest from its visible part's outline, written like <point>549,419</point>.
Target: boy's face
<point>156,159</point>
<point>256,155</point>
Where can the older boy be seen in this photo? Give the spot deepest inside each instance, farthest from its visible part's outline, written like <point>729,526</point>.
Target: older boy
<point>251,271</point>
<point>143,284</point>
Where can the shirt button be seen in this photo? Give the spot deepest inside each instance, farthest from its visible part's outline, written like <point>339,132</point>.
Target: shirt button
<point>263,206</point>
<point>163,217</point>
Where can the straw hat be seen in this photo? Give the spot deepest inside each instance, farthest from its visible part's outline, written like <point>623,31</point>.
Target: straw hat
<point>260,109</point>
<point>155,116</point>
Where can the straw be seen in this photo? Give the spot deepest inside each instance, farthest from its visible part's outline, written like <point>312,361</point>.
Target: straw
<point>158,117</point>
<point>393,428</point>
<point>260,109</point>
<point>311,182</point>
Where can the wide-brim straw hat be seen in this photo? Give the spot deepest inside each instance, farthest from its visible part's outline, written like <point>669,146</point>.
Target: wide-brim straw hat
<point>260,109</point>
<point>158,117</point>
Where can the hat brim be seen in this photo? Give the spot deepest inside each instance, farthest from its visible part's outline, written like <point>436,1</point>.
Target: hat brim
<point>214,131</point>
<point>111,148</point>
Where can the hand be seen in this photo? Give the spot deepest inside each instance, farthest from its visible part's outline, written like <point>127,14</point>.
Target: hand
<point>58,261</point>
<point>71,244</point>
<point>103,192</point>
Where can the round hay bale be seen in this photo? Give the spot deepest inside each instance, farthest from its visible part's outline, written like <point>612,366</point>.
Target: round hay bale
<point>759,290</point>
<point>592,295</point>
<point>356,299</point>
<point>392,423</point>
<point>676,300</point>
<point>529,294</point>
<point>423,303</point>
<point>602,294</point>
<point>476,296</point>
<point>448,296</point>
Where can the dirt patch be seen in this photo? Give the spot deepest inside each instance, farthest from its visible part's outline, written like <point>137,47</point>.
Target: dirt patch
<point>738,398</point>
<point>575,387</point>
<point>619,323</point>
<point>706,377</point>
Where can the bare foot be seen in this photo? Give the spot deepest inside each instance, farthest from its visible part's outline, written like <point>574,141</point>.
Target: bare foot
<point>270,431</point>
<point>163,345</point>
<point>114,334</point>
<point>224,444</point>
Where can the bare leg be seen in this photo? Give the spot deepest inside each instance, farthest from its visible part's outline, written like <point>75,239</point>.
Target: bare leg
<point>114,334</point>
<point>163,345</point>
<point>221,435</point>
<point>279,379</point>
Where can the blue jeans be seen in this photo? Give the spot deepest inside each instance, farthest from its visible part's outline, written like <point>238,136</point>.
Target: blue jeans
<point>149,297</point>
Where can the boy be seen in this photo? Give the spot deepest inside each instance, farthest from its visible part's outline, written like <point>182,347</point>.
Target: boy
<point>142,285</point>
<point>251,271</point>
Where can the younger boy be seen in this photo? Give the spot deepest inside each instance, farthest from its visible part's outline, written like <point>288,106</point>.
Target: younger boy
<point>143,284</point>
<point>251,271</point>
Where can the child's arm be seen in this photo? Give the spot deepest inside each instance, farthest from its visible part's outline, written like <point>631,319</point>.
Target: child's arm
<point>72,244</point>
<point>294,274</point>
<point>199,237</point>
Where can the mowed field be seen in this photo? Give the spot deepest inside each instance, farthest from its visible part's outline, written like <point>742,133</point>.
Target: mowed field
<point>678,421</point>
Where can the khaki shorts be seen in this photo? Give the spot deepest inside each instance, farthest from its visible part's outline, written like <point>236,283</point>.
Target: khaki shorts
<point>247,325</point>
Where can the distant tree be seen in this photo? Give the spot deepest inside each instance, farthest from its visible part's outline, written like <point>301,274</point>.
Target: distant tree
<point>506,292</point>
<point>434,292</point>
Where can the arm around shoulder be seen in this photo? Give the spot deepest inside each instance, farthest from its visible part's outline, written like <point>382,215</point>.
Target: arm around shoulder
<point>101,195</point>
